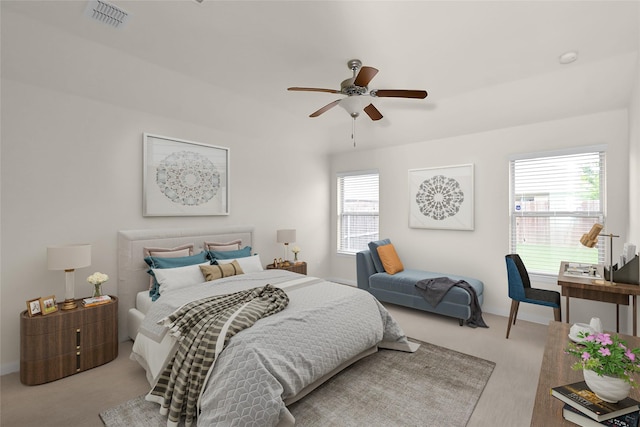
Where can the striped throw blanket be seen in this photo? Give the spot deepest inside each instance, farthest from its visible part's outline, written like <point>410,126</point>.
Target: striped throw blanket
<point>203,328</point>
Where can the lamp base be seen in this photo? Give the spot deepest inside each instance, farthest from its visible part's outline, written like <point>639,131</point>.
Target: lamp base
<point>69,304</point>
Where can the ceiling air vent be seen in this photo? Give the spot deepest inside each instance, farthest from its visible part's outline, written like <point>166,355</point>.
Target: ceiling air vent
<point>106,13</point>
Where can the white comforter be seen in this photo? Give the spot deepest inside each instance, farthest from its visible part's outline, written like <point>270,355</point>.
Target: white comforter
<point>324,325</point>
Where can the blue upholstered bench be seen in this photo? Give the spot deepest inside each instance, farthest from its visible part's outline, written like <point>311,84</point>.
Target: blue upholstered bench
<point>399,288</point>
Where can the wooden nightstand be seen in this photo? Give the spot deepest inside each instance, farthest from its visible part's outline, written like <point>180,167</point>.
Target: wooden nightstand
<point>299,267</point>
<point>67,342</point>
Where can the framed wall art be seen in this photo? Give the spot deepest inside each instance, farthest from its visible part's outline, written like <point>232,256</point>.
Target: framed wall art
<point>184,178</point>
<point>441,197</point>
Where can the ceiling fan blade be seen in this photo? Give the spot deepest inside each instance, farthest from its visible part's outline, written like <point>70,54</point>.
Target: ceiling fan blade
<point>313,89</point>
<point>372,112</point>
<point>364,76</point>
<point>325,108</point>
<point>399,93</point>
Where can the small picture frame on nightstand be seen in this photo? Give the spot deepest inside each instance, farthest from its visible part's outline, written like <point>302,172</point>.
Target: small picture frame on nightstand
<point>48,305</point>
<point>33,307</point>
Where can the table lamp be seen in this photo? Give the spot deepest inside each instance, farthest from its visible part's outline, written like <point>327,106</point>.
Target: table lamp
<point>591,239</point>
<point>286,237</point>
<point>68,258</point>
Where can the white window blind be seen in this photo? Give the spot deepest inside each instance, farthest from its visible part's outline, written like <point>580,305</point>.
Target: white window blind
<point>358,208</point>
<point>554,201</point>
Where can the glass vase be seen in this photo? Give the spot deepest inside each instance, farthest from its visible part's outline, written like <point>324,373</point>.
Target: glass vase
<point>295,256</point>
<point>97,290</point>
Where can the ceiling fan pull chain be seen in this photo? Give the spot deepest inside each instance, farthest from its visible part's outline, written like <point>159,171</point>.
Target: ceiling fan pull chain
<point>353,132</point>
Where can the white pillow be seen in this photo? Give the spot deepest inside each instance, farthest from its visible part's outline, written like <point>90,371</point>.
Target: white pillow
<point>179,277</point>
<point>250,264</point>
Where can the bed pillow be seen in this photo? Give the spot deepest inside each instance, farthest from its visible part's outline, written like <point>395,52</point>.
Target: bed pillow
<point>250,264</point>
<point>218,271</point>
<point>373,248</point>
<point>240,253</point>
<point>164,262</point>
<point>233,245</point>
<point>390,259</point>
<point>178,251</point>
<point>173,262</point>
<point>174,278</point>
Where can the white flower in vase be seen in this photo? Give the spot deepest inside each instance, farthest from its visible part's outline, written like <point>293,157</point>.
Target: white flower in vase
<point>295,251</point>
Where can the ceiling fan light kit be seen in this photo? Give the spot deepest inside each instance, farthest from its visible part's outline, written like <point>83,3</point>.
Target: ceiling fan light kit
<point>353,105</point>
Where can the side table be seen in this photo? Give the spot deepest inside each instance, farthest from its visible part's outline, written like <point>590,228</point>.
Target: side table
<point>67,342</point>
<point>298,267</point>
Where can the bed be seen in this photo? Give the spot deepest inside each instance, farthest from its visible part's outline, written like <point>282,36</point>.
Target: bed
<point>324,328</point>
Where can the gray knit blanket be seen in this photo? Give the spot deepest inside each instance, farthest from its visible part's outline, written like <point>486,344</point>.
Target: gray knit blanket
<point>203,328</point>
<point>433,290</point>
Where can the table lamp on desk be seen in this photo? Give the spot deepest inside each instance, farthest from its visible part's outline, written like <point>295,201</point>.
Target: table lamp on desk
<point>590,239</point>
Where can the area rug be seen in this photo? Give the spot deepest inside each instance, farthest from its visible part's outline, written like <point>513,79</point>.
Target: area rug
<point>434,386</point>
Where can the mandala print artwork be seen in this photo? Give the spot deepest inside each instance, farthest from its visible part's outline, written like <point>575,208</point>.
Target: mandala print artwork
<point>439,197</point>
<point>188,178</point>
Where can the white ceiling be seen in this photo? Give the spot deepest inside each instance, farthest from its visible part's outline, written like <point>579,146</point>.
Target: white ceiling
<point>486,65</point>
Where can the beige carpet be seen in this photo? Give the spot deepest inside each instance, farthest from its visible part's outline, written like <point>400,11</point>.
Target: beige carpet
<point>434,386</point>
<point>507,400</point>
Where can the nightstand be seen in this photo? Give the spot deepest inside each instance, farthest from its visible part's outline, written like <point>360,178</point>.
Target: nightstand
<point>67,342</point>
<point>299,267</point>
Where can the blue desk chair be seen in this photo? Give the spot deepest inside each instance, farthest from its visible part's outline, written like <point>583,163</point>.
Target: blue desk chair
<point>520,290</point>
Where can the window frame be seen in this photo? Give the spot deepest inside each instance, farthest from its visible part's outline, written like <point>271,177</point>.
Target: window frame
<point>598,215</point>
<point>340,214</point>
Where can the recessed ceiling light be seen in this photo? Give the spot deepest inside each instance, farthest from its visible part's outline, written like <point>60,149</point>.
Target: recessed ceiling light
<point>568,57</point>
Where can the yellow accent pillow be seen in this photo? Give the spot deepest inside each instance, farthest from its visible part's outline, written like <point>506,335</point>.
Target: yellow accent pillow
<point>218,271</point>
<point>390,260</point>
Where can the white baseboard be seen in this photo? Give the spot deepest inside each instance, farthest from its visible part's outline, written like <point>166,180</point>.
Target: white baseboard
<point>9,368</point>
<point>543,320</point>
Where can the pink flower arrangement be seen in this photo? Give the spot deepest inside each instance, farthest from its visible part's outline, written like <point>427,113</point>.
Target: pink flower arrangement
<point>606,355</point>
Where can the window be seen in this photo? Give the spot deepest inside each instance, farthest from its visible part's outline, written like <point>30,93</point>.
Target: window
<point>555,199</point>
<point>358,209</point>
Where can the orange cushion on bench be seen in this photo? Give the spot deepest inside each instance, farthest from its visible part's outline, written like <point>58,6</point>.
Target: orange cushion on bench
<point>390,259</point>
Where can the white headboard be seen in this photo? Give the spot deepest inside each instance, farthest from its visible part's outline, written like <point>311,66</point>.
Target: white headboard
<point>132,270</point>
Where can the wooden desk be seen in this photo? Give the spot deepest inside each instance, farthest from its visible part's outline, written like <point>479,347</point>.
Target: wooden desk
<point>556,370</point>
<point>616,294</point>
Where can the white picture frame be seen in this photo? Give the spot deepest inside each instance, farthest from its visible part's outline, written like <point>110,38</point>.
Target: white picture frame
<point>442,197</point>
<point>184,178</point>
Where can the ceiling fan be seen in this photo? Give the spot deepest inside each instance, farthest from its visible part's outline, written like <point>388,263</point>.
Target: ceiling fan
<point>355,88</point>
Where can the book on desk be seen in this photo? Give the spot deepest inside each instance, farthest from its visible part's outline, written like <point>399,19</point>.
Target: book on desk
<point>579,396</point>
<point>575,416</point>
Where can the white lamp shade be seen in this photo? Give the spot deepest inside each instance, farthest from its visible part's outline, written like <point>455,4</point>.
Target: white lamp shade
<point>286,236</point>
<point>68,257</point>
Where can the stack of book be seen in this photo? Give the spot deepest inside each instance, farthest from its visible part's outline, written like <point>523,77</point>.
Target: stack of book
<point>90,302</point>
<point>584,408</point>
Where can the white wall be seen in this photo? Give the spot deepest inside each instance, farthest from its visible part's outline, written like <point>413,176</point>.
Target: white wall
<point>634,159</point>
<point>72,172</point>
<point>480,253</point>
<point>72,163</point>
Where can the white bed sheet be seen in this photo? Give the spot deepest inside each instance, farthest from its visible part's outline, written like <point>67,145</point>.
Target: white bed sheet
<point>151,355</point>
